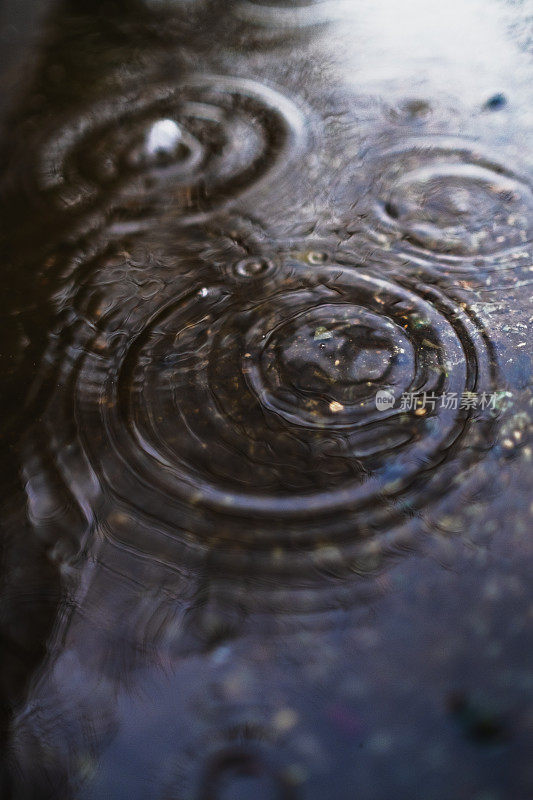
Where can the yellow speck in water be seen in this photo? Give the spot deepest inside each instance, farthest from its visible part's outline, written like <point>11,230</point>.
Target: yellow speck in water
<point>335,407</point>
<point>285,719</point>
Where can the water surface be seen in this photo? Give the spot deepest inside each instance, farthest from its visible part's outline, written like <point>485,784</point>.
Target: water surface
<point>227,571</point>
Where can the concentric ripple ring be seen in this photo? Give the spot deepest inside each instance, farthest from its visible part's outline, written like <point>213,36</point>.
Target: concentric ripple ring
<point>291,15</point>
<point>197,144</point>
<point>263,408</point>
<point>449,201</point>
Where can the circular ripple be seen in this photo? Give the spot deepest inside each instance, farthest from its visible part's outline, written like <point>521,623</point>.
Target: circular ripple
<point>290,14</point>
<point>199,145</point>
<point>321,366</point>
<point>207,396</point>
<point>224,403</point>
<point>249,418</point>
<point>448,201</point>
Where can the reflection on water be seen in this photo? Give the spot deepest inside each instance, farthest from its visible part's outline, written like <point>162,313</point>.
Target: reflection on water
<point>228,572</point>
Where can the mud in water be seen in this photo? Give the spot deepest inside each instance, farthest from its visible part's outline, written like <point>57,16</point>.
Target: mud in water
<point>267,401</point>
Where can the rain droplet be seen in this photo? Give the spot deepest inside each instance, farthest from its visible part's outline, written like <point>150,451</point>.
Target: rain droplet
<point>252,267</point>
<point>163,138</point>
<point>315,257</point>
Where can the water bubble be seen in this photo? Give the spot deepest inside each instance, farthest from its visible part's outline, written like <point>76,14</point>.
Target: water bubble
<point>253,267</point>
<point>316,257</point>
<point>163,139</point>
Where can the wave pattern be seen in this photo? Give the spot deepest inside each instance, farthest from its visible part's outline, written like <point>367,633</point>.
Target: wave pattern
<point>449,203</point>
<point>196,146</point>
<point>229,403</point>
<point>292,14</point>
<point>220,385</point>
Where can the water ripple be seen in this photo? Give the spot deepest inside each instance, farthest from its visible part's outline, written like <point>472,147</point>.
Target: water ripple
<point>289,15</point>
<point>197,145</point>
<point>448,202</point>
<point>231,408</point>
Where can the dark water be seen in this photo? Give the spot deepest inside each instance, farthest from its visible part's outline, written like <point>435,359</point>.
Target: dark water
<point>226,571</point>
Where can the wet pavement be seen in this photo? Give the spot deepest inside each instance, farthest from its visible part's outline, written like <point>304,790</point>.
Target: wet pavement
<point>267,408</point>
